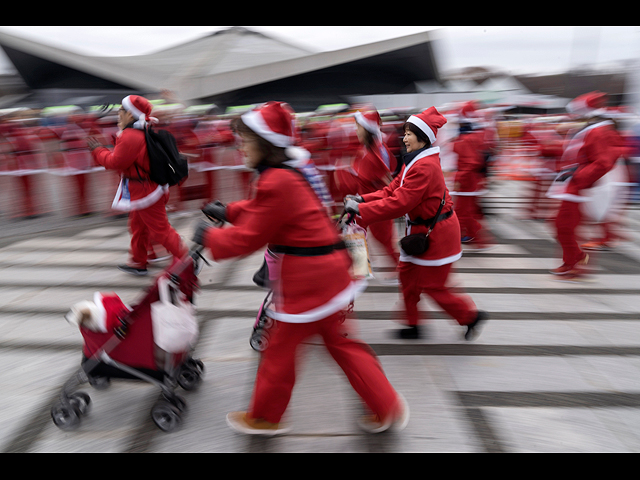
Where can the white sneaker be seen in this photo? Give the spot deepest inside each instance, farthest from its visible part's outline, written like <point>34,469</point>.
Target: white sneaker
<point>373,424</point>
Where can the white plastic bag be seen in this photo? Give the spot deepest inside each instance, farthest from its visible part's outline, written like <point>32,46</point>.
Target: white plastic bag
<point>606,194</point>
<point>598,202</point>
<point>175,328</point>
<point>355,238</point>
<point>558,188</point>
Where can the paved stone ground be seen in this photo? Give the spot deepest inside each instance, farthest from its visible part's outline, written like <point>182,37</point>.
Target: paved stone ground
<point>555,369</point>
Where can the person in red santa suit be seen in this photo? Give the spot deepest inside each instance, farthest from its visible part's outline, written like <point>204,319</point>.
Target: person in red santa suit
<point>470,179</point>
<point>418,192</point>
<point>593,150</point>
<point>144,199</point>
<point>370,171</point>
<point>313,288</point>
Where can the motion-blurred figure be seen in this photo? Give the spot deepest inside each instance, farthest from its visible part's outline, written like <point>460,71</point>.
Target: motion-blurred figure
<point>470,180</point>
<point>144,199</point>
<point>547,143</point>
<point>593,151</point>
<point>312,286</point>
<point>370,171</point>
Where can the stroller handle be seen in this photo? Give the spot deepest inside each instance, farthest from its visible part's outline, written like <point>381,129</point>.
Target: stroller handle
<point>350,217</point>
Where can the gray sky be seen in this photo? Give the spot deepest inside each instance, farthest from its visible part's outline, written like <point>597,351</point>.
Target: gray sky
<point>514,49</point>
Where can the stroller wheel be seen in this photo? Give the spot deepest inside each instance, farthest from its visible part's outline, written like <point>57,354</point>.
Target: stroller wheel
<point>259,340</point>
<point>65,417</point>
<point>166,416</point>
<point>81,402</point>
<point>267,322</point>
<point>100,383</point>
<point>189,376</point>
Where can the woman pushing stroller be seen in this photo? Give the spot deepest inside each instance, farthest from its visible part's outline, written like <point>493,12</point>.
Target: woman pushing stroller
<point>286,214</point>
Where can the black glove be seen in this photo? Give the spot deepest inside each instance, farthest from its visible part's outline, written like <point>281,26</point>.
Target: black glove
<point>199,233</point>
<point>216,210</point>
<point>351,206</point>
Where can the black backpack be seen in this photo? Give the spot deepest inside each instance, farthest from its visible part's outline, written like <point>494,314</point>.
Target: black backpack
<point>167,165</point>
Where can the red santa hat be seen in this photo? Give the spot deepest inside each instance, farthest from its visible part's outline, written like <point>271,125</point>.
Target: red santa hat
<point>468,110</point>
<point>589,104</point>
<point>429,122</point>
<point>272,121</point>
<point>370,120</point>
<point>140,108</point>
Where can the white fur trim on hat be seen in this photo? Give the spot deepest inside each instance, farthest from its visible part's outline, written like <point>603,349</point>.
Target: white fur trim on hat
<point>131,108</point>
<point>422,125</point>
<point>95,321</point>
<point>141,118</point>
<point>255,122</point>
<point>368,125</point>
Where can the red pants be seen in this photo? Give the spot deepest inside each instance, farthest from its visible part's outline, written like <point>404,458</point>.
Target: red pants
<point>417,279</point>
<point>28,208</point>
<point>81,186</point>
<point>383,233</point>
<point>567,222</point>
<point>151,226</point>
<point>277,371</point>
<point>470,216</point>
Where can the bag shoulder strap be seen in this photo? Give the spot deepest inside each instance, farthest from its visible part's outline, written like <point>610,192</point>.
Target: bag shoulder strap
<point>435,219</point>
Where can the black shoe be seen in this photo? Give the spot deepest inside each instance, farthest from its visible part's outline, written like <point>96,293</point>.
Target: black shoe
<point>472,328</point>
<point>409,333</point>
<point>132,270</point>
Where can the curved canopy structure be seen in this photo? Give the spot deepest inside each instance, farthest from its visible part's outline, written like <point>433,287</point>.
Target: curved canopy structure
<point>234,66</point>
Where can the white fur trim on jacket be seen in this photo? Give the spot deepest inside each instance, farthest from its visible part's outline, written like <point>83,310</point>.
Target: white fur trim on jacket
<point>337,303</point>
<point>436,262</point>
<point>125,204</point>
<point>477,193</point>
<point>415,260</point>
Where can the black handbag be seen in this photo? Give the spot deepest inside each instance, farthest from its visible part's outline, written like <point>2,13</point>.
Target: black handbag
<point>418,243</point>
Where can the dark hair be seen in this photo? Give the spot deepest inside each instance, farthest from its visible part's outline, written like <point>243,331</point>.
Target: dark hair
<point>417,132</point>
<point>271,154</point>
<point>368,140</point>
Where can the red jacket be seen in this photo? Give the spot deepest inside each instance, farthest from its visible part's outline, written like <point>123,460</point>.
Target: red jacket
<point>417,192</point>
<point>470,148</point>
<point>595,149</point>
<point>286,211</point>
<point>368,172</point>
<point>131,160</point>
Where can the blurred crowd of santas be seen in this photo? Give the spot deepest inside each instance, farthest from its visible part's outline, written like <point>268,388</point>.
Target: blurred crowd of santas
<point>33,142</point>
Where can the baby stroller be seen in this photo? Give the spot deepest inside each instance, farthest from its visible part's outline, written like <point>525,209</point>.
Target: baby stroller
<point>151,341</point>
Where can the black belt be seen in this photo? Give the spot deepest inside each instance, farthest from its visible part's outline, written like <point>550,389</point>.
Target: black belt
<point>307,251</point>
<point>429,221</point>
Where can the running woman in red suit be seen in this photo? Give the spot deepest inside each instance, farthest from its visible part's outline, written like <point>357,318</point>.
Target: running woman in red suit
<point>417,192</point>
<point>594,150</point>
<point>144,199</point>
<point>470,179</point>
<point>370,171</point>
<point>313,288</point>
